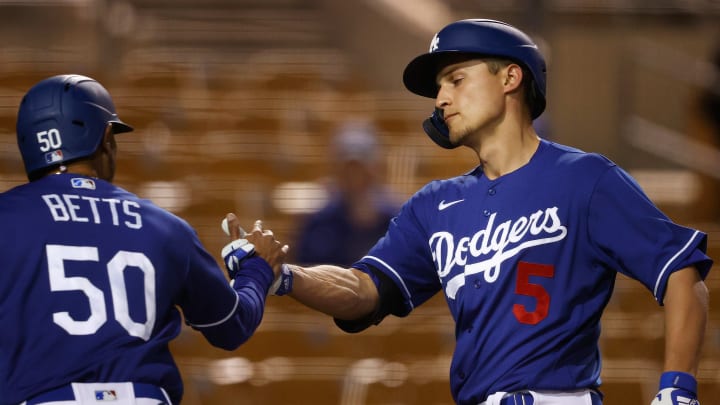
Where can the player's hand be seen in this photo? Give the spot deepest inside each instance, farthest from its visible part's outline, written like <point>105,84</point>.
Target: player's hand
<point>263,240</point>
<point>676,388</point>
<point>234,253</point>
<point>231,226</point>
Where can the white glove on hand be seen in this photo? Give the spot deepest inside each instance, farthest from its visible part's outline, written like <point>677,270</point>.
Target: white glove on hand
<point>676,388</point>
<point>235,252</point>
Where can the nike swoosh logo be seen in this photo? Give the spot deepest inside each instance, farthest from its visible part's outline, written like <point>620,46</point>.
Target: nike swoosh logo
<point>444,204</point>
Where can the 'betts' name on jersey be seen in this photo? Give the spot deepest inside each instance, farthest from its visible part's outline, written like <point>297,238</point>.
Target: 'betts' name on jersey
<point>82,208</point>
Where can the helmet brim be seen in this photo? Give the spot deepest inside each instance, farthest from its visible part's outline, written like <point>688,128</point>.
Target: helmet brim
<point>119,127</point>
<point>420,74</point>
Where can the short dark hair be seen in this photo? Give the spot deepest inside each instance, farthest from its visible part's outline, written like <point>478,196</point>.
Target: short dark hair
<point>531,97</point>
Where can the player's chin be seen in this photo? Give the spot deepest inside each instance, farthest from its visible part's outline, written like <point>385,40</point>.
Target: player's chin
<point>459,137</point>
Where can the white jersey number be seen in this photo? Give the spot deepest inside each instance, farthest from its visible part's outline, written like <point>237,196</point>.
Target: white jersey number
<point>49,140</point>
<point>57,255</point>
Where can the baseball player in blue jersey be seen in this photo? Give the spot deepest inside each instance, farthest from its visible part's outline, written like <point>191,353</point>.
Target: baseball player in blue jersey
<point>93,278</point>
<point>525,248</point>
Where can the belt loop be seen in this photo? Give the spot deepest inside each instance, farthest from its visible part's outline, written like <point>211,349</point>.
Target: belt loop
<point>495,398</point>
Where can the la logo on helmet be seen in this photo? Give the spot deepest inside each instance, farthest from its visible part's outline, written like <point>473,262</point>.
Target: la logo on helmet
<point>434,44</point>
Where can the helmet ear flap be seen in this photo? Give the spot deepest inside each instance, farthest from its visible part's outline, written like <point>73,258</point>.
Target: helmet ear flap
<point>436,129</point>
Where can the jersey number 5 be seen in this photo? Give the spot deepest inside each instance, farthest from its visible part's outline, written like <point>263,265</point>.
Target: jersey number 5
<point>57,255</point>
<point>523,286</point>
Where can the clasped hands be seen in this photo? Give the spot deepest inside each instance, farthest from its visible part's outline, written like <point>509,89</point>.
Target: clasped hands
<point>258,242</point>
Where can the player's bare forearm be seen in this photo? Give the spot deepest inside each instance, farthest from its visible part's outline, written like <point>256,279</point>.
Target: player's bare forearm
<point>339,292</point>
<point>686,312</point>
<point>342,293</point>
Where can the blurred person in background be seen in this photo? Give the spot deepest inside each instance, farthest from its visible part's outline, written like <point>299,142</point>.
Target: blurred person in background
<point>525,248</point>
<point>93,278</point>
<point>359,207</point>
<point>710,98</point>
<point>704,127</point>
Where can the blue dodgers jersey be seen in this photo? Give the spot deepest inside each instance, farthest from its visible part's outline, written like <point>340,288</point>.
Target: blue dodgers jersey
<point>527,263</point>
<point>89,283</point>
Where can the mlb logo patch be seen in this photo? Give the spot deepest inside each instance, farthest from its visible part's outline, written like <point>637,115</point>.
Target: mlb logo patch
<point>83,183</point>
<point>105,395</point>
<point>54,156</point>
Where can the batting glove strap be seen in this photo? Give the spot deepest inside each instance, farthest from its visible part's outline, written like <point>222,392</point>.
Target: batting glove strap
<point>234,253</point>
<point>284,283</point>
<point>676,388</point>
<point>678,379</point>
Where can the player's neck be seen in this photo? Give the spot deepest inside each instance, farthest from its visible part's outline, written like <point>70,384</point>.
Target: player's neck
<point>506,152</point>
<point>81,168</point>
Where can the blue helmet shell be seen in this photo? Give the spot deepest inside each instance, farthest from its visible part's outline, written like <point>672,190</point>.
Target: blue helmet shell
<point>63,118</point>
<point>479,37</point>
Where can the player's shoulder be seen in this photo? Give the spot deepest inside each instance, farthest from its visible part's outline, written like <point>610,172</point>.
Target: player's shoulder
<point>453,188</point>
<point>571,158</point>
<point>464,180</point>
<point>153,214</point>
<point>159,216</point>
<point>19,195</point>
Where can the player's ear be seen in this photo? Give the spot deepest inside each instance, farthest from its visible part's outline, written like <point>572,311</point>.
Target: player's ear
<point>108,140</point>
<point>513,75</point>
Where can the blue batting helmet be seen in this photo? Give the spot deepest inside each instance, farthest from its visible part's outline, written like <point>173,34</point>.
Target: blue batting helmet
<point>481,38</point>
<point>63,118</point>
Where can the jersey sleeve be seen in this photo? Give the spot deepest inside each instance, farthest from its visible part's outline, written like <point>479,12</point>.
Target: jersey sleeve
<point>226,315</point>
<point>635,238</point>
<point>403,255</point>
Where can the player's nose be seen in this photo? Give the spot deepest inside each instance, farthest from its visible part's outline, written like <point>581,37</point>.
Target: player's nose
<point>442,99</point>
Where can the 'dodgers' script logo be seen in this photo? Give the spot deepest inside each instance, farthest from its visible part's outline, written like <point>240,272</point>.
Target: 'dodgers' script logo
<point>496,243</point>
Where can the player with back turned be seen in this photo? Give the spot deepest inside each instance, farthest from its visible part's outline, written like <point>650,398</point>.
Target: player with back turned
<point>525,248</point>
<point>92,276</point>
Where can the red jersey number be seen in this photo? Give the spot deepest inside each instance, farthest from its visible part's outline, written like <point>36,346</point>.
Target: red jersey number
<point>523,286</point>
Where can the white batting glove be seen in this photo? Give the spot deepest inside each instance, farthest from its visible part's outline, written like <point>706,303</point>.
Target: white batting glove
<point>226,228</point>
<point>234,253</point>
<point>676,388</point>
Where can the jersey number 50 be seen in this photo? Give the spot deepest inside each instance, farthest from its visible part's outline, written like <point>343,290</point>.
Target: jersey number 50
<point>57,255</point>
